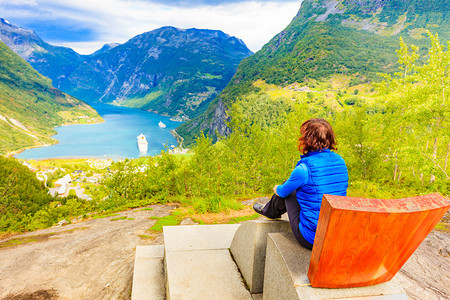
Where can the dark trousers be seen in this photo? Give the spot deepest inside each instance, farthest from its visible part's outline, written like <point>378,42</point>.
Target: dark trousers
<point>278,206</point>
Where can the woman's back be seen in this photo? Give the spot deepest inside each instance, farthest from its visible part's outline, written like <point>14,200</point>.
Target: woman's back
<point>327,174</point>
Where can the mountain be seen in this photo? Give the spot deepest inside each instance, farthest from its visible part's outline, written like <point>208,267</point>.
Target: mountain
<point>30,107</point>
<point>51,61</point>
<point>105,48</point>
<point>170,71</point>
<point>355,38</point>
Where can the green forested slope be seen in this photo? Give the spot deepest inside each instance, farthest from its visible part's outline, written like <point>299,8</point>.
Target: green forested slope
<point>30,107</point>
<point>395,142</point>
<point>346,37</point>
<point>21,194</point>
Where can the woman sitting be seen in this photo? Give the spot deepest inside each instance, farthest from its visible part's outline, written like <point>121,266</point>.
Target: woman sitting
<point>319,171</point>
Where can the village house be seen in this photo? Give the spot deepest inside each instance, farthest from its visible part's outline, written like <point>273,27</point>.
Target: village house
<point>62,184</point>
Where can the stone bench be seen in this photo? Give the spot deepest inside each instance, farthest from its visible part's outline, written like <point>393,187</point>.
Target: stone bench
<point>248,248</point>
<point>286,269</point>
<point>360,245</point>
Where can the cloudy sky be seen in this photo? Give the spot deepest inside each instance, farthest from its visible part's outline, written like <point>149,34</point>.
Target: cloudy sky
<point>86,25</point>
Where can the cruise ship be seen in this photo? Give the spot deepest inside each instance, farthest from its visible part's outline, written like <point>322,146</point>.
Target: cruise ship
<point>161,124</point>
<point>142,143</point>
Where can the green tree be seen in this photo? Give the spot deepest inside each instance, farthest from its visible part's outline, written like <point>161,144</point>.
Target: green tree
<point>418,101</point>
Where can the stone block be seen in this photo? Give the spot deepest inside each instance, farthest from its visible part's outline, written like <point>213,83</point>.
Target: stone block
<point>249,249</point>
<point>154,251</point>
<point>203,274</point>
<point>286,271</point>
<point>198,237</point>
<point>148,274</point>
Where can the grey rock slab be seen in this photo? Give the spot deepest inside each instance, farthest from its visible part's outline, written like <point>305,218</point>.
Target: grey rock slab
<point>286,277</point>
<point>148,274</point>
<point>203,274</point>
<point>199,237</point>
<point>249,249</point>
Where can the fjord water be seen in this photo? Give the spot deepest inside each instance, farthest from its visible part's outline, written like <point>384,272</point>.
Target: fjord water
<point>115,138</point>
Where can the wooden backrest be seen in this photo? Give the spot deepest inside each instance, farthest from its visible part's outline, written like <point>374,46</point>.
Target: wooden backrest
<point>361,242</point>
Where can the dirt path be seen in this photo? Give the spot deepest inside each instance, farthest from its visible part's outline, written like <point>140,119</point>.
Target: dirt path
<point>95,260</point>
<point>88,260</point>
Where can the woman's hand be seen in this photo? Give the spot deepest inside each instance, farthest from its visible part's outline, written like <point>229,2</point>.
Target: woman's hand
<point>275,190</point>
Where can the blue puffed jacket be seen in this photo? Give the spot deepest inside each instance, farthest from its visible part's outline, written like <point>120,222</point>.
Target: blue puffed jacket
<point>317,173</point>
<point>327,175</point>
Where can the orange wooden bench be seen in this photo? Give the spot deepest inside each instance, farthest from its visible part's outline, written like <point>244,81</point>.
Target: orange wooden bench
<point>361,242</point>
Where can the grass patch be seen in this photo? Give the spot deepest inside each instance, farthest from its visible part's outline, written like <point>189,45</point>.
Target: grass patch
<point>147,237</point>
<point>35,238</point>
<point>214,204</point>
<point>442,227</point>
<point>73,230</point>
<point>147,208</point>
<point>244,218</point>
<point>19,241</point>
<point>121,218</point>
<point>105,216</point>
<point>200,222</point>
<point>174,219</point>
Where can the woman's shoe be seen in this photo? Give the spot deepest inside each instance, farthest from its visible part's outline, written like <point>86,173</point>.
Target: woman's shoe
<point>259,208</point>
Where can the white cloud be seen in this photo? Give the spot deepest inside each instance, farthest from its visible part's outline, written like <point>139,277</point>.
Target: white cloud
<point>82,47</point>
<point>255,22</point>
<point>19,2</point>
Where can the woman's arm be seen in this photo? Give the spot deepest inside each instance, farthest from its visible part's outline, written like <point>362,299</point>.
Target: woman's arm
<point>298,178</point>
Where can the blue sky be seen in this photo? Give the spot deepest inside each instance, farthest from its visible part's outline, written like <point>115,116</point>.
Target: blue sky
<point>86,25</point>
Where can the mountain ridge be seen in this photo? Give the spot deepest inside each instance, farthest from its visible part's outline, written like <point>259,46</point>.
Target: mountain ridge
<point>326,37</point>
<point>41,55</point>
<point>170,71</point>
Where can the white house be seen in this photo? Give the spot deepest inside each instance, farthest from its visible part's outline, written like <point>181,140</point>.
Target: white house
<point>63,184</point>
<point>63,181</point>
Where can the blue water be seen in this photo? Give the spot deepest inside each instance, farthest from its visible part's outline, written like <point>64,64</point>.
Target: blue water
<point>115,138</point>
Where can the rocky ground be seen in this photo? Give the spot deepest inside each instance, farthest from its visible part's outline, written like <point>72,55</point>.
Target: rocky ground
<point>94,260</point>
<point>88,260</point>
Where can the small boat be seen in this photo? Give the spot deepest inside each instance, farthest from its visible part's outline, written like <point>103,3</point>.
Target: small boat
<point>161,124</point>
<point>142,143</point>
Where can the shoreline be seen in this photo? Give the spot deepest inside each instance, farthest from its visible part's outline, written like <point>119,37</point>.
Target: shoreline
<point>68,158</point>
<point>178,137</point>
<point>15,152</point>
<point>93,123</point>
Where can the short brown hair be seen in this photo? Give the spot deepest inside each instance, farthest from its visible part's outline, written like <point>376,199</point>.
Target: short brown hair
<point>316,134</point>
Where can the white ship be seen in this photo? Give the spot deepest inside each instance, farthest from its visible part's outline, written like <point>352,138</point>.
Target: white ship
<point>142,143</point>
<point>161,124</point>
